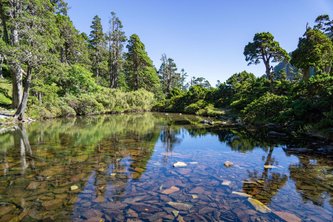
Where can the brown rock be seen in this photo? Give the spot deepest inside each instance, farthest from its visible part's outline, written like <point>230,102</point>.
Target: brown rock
<point>262,208</point>
<point>184,171</point>
<point>180,206</point>
<point>205,210</point>
<point>93,214</point>
<point>139,170</point>
<point>99,199</point>
<point>198,190</point>
<point>7,209</point>
<point>241,194</point>
<point>53,170</point>
<point>288,217</point>
<point>33,185</point>
<point>95,219</point>
<point>170,190</point>
<point>132,213</point>
<point>52,204</point>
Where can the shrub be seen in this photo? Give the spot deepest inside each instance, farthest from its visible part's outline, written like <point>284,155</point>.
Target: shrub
<point>267,108</point>
<point>209,110</point>
<point>85,104</point>
<point>78,80</point>
<point>195,107</point>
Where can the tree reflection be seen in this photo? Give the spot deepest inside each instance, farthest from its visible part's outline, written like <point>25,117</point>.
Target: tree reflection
<point>265,185</point>
<point>22,142</point>
<point>313,177</point>
<point>169,137</point>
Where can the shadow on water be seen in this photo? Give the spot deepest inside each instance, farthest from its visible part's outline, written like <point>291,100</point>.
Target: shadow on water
<point>119,167</point>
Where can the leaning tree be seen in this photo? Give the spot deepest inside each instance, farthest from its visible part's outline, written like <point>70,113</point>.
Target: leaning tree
<point>264,48</point>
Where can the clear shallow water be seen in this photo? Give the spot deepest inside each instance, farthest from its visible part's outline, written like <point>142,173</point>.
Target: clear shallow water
<point>120,168</point>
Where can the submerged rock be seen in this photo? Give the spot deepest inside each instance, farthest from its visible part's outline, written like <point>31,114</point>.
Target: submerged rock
<point>288,217</point>
<point>180,218</point>
<point>132,213</point>
<point>52,171</point>
<point>228,163</point>
<point>7,209</point>
<point>194,163</point>
<point>33,185</point>
<point>179,164</point>
<point>197,190</point>
<point>74,187</point>
<point>262,208</point>
<point>170,190</point>
<point>175,213</point>
<point>180,206</point>
<point>241,194</point>
<point>226,183</point>
<point>53,204</point>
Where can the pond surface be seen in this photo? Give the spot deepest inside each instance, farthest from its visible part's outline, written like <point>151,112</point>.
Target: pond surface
<point>120,168</point>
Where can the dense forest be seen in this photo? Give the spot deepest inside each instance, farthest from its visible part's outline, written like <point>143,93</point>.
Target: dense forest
<point>49,69</point>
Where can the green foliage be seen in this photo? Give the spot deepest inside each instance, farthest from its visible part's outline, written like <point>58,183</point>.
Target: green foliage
<point>116,39</point>
<point>264,48</point>
<point>77,80</point>
<point>84,104</point>
<point>200,81</point>
<point>324,24</point>
<point>103,101</point>
<point>5,93</point>
<point>193,108</point>
<point>196,93</point>
<point>315,50</point>
<point>265,109</point>
<point>210,110</point>
<point>170,78</point>
<point>97,48</point>
<point>312,100</point>
<point>243,88</point>
<point>139,68</point>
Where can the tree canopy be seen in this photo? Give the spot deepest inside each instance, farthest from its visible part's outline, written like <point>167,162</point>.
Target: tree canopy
<point>315,50</point>
<point>140,71</point>
<point>265,49</point>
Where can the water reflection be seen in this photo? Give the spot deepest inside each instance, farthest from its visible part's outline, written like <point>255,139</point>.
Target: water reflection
<point>313,179</point>
<point>264,185</point>
<point>120,167</point>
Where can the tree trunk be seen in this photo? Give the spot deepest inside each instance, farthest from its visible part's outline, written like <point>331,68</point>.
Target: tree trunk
<point>328,69</point>
<point>1,62</point>
<point>136,81</point>
<point>23,105</point>
<point>268,162</point>
<point>17,85</point>
<point>114,67</point>
<point>306,74</point>
<point>268,72</point>
<point>21,141</point>
<point>16,69</point>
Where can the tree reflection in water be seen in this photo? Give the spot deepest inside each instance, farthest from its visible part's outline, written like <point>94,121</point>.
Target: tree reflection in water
<point>265,186</point>
<point>313,178</point>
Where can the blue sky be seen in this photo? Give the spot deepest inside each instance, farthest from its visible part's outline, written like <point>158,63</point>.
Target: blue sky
<point>205,37</point>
